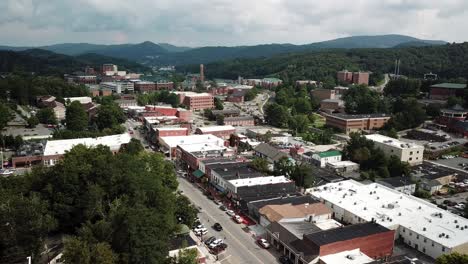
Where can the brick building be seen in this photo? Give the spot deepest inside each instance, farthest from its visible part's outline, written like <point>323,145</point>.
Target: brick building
<point>171,131</point>
<point>196,101</point>
<point>355,123</point>
<point>353,77</point>
<point>219,131</point>
<point>145,87</point>
<point>164,85</point>
<point>443,91</point>
<point>323,94</point>
<point>239,121</point>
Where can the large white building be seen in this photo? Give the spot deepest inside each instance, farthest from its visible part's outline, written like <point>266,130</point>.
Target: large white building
<point>55,149</point>
<point>169,144</point>
<point>118,87</point>
<point>420,224</point>
<point>407,152</point>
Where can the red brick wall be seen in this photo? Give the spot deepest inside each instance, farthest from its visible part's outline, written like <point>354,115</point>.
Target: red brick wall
<point>167,133</point>
<point>375,246</point>
<point>184,116</point>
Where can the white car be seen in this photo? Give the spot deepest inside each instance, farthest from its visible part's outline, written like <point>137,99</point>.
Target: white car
<point>238,219</point>
<point>200,232</point>
<point>230,212</point>
<point>263,243</point>
<point>216,243</point>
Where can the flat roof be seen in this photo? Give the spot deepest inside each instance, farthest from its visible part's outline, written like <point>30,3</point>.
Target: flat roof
<point>198,147</point>
<point>59,147</point>
<point>391,208</point>
<point>259,181</point>
<point>354,256</point>
<point>238,118</point>
<point>342,164</point>
<point>449,85</point>
<point>230,171</point>
<point>392,142</point>
<point>193,94</point>
<point>174,141</point>
<point>215,128</point>
<point>346,233</point>
<point>366,116</point>
<point>170,128</point>
<point>397,181</point>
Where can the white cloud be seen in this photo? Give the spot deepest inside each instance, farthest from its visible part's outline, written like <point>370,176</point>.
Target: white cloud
<point>226,22</point>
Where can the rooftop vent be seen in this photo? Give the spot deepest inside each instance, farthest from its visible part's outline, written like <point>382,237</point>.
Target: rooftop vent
<point>424,229</point>
<point>457,226</point>
<point>399,214</point>
<point>447,236</point>
<point>455,221</point>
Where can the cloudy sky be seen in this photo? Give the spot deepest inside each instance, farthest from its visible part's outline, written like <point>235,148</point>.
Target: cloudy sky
<point>226,22</point>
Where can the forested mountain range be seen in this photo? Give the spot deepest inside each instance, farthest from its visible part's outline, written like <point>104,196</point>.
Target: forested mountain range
<point>166,54</point>
<point>448,61</point>
<point>45,62</point>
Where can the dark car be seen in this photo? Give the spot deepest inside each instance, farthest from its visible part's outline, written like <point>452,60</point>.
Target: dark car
<point>217,227</point>
<point>218,249</point>
<point>285,260</point>
<point>210,240</point>
<point>223,208</point>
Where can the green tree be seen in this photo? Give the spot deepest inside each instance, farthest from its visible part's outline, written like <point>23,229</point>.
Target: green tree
<point>453,101</point>
<point>109,116</point>
<point>303,176</point>
<point>76,251</point>
<point>5,115</point>
<point>220,119</point>
<point>76,118</point>
<point>134,146</point>
<point>261,165</point>
<point>277,115</point>
<point>299,123</point>
<point>397,168</point>
<point>283,166</point>
<point>33,121</point>
<point>218,104</point>
<point>452,258</point>
<point>185,212</point>
<point>47,116</point>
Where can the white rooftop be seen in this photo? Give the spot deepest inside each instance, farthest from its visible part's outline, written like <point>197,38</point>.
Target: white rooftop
<point>59,147</point>
<point>200,147</point>
<point>193,94</point>
<point>392,141</point>
<point>259,181</point>
<point>82,100</point>
<point>342,164</point>
<point>354,256</point>
<point>174,141</point>
<point>391,208</point>
<point>171,128</point>
<point>216,128</point>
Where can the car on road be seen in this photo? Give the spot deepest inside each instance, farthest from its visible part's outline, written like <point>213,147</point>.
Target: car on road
<point>263,243</point>
<point>210,240</point>
<point>201,232</point>
<point>237,218</point>
<point>230,212</point>
<point>223,208</point>
<point>215,243</point>
<point>285,260</point>
<point>217,202</point>
<point>217,227</point>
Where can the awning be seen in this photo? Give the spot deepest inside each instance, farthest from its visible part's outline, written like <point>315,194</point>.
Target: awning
<point>219,188</point>
<point>198,174</point>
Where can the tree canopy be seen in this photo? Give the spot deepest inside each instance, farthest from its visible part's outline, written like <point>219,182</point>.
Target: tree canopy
<point>76,117</point>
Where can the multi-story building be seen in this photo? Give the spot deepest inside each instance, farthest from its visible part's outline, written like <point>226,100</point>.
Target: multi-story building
<point>418,223</point>
<point>406,152</point>
<point>82,79</point>
<point>168,145</point>
<point>353,77</point>
<point>240,121</point>
<point>196,101</point>
<point>322,158</point>
<point>164,85</point>
<point>171,131</point>
<point>323,94</point>
<point>144,86</point>
<point>355,123</point>
<point>443,91</point>
<point>109,68</point>
<point>219,131</point>
<point>242,188</point>
<point>117,87</point>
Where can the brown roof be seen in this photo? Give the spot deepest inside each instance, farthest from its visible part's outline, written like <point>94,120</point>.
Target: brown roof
<point>275,212</point>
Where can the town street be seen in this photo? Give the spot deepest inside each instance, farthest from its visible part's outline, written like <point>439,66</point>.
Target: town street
<point>242,248</point>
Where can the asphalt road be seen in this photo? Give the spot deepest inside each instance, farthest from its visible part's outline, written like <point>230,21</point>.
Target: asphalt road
<point>241,246</point>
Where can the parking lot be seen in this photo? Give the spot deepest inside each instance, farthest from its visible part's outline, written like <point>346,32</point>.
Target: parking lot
<point>39,131</point>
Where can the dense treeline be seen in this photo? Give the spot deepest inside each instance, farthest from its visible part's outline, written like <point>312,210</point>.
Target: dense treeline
<point>23,89</point>
<point>448,61</point>
<point>119,208</point>
<point>42,62</point>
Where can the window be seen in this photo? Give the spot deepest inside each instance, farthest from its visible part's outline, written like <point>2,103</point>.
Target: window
<point>443,249</point>
<point>404,230</point>
<point>411,234</point>
<point>425,240</point>
<point>432,243</point>
<point>424,250</point>
<point>417,236</point>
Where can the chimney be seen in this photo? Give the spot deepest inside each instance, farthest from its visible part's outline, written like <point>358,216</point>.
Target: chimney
<point>202,73</point>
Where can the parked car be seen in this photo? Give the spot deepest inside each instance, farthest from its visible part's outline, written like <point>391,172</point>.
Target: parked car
<point>285,260</point>
<point>201,232</point>
<point>263,243</point>
<point>218,249</point>
<point>217,202</point>
<point>230,212</point>
<point>210,240</point>
<point>216,243</point>
<point>217,227</point>
<point>238,219</point>
<point>222,207</point>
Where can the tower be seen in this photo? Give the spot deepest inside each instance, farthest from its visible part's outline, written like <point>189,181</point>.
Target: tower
<point>202,73</point>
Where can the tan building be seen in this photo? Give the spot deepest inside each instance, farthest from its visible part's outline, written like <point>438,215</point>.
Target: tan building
<point>196,101</point>
<point>289,212</point>
<point>407,152</point>
<point>355,123</point>
<point>323,94</point>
